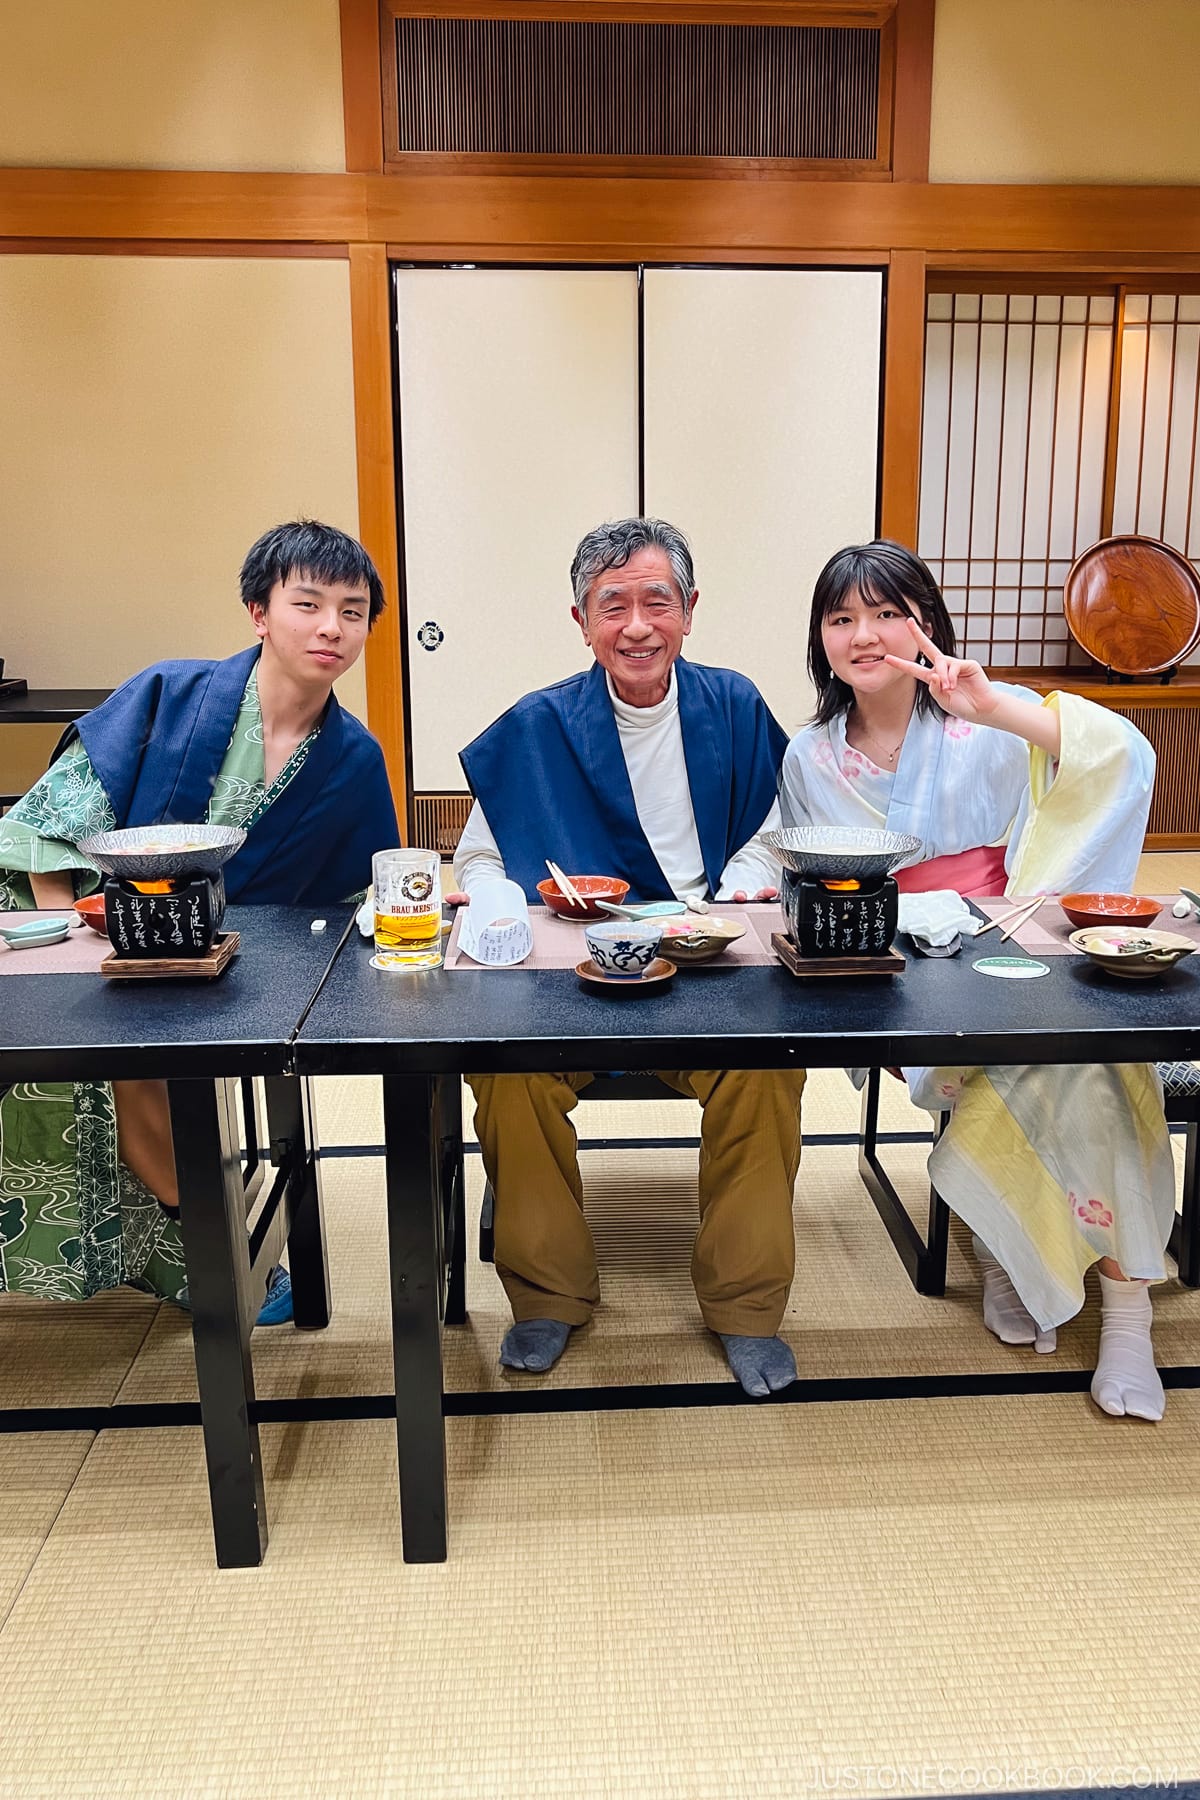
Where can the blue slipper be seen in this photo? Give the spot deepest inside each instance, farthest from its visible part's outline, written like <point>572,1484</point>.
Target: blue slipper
<point>277,1307</point>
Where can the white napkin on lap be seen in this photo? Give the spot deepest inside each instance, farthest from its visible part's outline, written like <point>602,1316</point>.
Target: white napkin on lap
<point>937,918</point>
<point>495,927</point>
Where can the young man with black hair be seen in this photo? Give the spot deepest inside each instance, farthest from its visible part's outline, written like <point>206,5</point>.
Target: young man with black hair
<point>257,741</point>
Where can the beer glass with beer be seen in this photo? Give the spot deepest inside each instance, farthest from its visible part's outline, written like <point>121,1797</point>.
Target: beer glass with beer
<point>408,909</point>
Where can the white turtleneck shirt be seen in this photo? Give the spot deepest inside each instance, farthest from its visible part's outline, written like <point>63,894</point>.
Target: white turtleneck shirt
<point>652,745</point>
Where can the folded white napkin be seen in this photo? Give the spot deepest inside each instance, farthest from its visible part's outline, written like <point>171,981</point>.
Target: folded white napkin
<point>495,927</point>
<point>937,918</point>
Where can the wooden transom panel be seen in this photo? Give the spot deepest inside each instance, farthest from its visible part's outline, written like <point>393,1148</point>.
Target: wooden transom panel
<point>1133,604</point>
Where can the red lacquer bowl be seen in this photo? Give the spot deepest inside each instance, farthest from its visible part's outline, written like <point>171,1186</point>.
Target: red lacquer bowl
<point>590,888</point>
<point>91,910</point>
<point>1110,909</point>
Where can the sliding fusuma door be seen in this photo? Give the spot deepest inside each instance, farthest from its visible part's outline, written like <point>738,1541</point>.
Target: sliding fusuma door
<point>761,403</point>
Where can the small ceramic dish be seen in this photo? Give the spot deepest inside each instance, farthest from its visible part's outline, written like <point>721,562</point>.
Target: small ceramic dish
<point>1133,954</point>
<point>622,948</point>
<point>590,888</point>
<point>659,970</point>
<point>694,941</point>
<point>1110,909</point>
<point>34,933</point>
<point>647,909</point>
<point>91,911</point>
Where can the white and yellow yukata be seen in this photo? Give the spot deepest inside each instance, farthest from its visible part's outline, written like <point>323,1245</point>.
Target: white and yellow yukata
<point>1052,1166</point>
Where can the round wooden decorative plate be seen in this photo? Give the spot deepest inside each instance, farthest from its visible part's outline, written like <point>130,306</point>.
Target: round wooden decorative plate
<point>1133,604</point>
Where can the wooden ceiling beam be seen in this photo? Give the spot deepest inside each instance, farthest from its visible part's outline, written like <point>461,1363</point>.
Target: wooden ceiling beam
<point>176,203</point>
<point>650,217</point>
<point>559,218</point>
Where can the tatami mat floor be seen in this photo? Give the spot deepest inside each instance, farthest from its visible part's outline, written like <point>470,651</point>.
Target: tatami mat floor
<point>708,1605</point>
<point>936,1596</point>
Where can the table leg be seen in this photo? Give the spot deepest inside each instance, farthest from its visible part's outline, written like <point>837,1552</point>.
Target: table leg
<point>924,1260</point>
<point>212,1217</point>
<point>291,1128</point>
<point>454,1200</point>
<point>412,1134</point>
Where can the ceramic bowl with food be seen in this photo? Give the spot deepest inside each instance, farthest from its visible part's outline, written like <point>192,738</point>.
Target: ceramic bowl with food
<point>1110,909</point>
<point>590,888</point>
<point>698,940</point>
<point>91,911</point>
<point>624,949</point>
<point>163,852</point>
<point>1131,953</point>
<point>841,852</point>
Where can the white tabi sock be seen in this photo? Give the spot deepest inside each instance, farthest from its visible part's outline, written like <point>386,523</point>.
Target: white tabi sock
<point>1126,1380</point>
<point>1004,1313</point>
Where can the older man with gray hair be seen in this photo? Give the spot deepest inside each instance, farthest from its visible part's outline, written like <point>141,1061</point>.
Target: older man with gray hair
<point>663,772</point>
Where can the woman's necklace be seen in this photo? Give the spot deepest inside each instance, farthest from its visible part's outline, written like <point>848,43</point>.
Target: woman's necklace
<point>872,739</point>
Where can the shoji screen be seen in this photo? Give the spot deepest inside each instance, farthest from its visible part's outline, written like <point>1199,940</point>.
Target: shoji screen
<point>761,442</point>
<point>1157,490</point>
<point>1012,463</point>
<point>518,420</point>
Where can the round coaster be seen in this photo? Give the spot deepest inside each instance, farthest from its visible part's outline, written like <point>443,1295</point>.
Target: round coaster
<point>1012,968</point>
<point>660,970</point>
<point>395,964</point>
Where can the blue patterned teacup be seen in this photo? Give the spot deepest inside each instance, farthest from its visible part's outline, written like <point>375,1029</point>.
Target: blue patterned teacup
<point>624,949</point>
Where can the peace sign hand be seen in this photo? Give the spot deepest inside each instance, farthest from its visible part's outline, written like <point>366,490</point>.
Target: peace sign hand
<point>959,687</point>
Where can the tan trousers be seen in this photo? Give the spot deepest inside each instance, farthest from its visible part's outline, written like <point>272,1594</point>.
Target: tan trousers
<point>744,1256</point>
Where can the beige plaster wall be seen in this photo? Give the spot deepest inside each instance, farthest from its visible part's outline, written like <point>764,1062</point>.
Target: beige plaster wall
<point>172,84</point>
<point>1066,91</point>
<point>156,415</point>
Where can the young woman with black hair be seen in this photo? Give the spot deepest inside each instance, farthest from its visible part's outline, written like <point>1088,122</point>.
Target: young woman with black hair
<point>1057,1167</point>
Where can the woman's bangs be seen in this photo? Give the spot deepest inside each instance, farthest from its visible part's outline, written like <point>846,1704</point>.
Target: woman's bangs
<point>829,595</point>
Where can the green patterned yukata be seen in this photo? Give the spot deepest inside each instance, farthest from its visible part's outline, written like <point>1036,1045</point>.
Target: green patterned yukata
<point>73,1219</point>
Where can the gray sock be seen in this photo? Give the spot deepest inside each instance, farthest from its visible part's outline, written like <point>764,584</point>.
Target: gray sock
<point>534,1344</point>
<point>763,1365</point>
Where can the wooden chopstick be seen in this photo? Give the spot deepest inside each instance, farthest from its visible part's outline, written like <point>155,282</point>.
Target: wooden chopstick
<point>564,886</point>
<point>1008,917</point>
<point>1023,920</point>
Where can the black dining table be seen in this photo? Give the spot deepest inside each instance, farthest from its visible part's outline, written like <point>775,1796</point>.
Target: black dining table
<point>422,1031</point>
<point>207,1039</point>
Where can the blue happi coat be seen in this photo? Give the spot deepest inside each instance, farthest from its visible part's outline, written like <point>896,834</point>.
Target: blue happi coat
<point>158,742</point>
<point>551,778</point>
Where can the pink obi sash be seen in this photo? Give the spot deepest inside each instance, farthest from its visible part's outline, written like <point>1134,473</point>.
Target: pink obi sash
<point>970,873</point>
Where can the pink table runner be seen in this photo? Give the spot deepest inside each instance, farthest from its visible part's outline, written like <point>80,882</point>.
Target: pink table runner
<point>80,953</point>
<point>1046,933</point>
<point>560,944</point>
